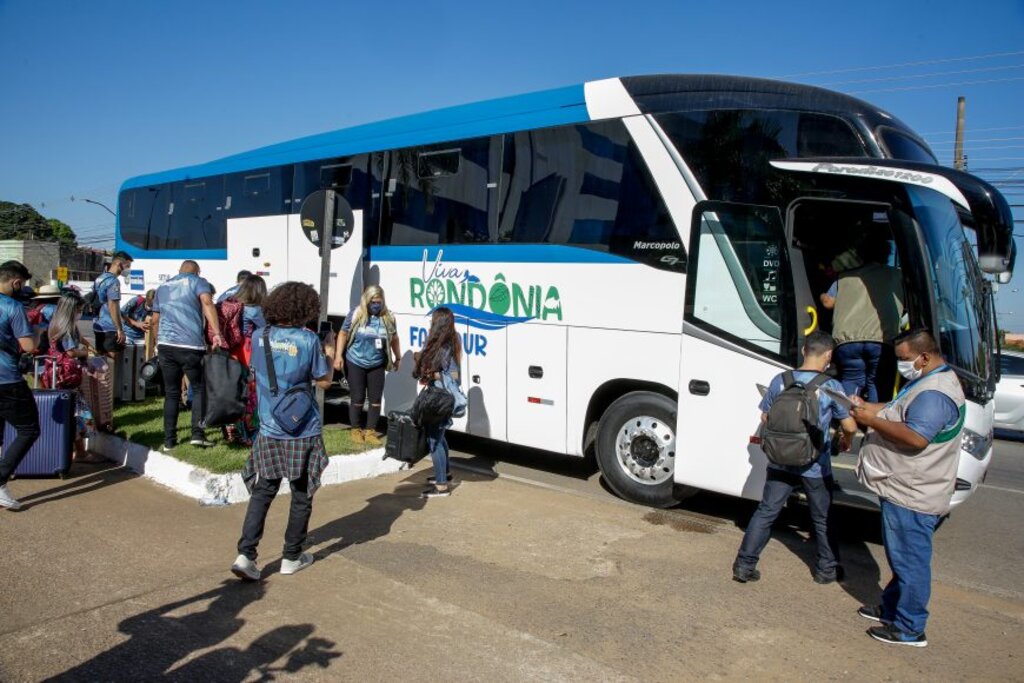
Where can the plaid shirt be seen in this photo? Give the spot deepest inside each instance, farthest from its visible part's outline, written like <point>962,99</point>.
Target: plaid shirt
<point>286,459</point>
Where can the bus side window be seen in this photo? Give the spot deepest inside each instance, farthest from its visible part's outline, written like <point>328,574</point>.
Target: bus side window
<point>437,194</point>
<point>585,185</point>
<point>740,284</point>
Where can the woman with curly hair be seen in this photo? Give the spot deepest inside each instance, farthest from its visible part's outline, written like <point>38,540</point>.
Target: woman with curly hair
<point>442,352</point>
<point>289,443</point>
<point>367,347</point>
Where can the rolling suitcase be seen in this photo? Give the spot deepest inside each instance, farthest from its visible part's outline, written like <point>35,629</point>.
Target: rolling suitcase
<point>406,440</point>
<point>98,390</point>
<point>50,455</point>
<point>128,387</point>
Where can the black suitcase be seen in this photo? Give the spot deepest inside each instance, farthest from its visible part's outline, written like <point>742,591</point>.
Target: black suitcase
<point>406,440</point>
<point>50,455</point>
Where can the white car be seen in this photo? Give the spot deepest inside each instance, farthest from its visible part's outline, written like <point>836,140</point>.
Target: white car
<point>1010,393</point>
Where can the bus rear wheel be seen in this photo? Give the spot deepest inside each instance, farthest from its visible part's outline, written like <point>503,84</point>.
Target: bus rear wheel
<point>636,448</point>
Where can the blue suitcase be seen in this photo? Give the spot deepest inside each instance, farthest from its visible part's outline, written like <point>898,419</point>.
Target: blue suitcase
<point>50,455</point>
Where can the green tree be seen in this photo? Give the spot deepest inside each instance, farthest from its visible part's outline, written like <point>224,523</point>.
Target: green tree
<point>23,222</point>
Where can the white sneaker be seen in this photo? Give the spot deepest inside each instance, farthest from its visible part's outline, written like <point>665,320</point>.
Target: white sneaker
<point>201,443</point>
<point>292,566</point>
<point>7,500</point>
<point>245,569</point>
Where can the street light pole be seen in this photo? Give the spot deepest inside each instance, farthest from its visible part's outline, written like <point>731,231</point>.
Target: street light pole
<point>93,201</point>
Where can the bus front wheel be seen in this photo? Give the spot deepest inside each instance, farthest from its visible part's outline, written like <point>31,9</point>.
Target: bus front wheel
<point>636,448</point>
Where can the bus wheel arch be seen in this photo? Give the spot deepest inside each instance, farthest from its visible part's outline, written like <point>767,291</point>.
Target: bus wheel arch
<point>634,442</point>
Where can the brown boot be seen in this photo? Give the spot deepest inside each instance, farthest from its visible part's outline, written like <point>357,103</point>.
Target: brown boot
<point>370,438</point>
<point>356,434</point>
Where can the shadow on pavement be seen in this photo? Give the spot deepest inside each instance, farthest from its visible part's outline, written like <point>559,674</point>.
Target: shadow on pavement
<point>82,479</point>
<point>371,522</point>
<point>158,640</point>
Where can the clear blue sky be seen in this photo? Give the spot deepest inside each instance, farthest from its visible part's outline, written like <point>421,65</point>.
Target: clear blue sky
<point>95,92</point>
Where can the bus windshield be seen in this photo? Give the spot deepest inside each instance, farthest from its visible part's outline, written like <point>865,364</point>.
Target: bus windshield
<point>957,285</point>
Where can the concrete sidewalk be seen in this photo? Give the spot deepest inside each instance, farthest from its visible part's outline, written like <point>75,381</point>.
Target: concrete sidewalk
<point>110,577</point>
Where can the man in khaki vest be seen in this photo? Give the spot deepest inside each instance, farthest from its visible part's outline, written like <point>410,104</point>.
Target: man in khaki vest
<point>867,305</point>
<point>909,458</point>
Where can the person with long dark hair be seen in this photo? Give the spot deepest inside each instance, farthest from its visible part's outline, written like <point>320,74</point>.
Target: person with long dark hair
<point>290,442</point>
<point>251,293</point>
<point>442,353</point>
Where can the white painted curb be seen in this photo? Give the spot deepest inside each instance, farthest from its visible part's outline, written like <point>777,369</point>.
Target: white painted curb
<point>226,489</point>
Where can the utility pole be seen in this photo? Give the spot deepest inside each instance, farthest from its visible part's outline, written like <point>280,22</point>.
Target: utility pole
<point>958,146</point>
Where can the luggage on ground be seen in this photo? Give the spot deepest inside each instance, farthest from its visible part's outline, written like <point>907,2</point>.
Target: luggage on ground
<point>791,434</point>
<point>225,380</point>
<point>97,387</point>
<point>405,440</point>
<point>50,455</point>
<point>129,366</point>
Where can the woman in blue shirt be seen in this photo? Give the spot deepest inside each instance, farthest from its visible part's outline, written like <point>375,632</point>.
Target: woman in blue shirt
<point>442,353</point>
<point>367,347</point>
<point>285,451</point>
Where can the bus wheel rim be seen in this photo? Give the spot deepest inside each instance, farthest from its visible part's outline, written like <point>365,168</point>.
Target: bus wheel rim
<point>645,449</point>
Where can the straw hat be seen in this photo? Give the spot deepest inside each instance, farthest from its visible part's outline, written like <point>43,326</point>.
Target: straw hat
<point>48,292</point>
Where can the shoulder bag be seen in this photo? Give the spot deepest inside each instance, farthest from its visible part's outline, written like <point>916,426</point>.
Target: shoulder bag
<point>294,410</point>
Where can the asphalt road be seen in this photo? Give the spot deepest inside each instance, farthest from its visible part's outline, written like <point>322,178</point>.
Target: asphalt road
<point>979,547</point>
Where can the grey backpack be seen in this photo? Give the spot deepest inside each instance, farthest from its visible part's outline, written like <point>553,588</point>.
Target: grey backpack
<point>792,435</point>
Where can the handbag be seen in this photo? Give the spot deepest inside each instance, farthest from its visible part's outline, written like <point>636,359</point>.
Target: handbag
<point>433,406</point>
<point>451,386</point>
<point>294,410</point>
<point>224,381</point>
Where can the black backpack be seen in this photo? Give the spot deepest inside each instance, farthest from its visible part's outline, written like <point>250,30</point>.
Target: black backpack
<point>91,299</point>
<point>433,406</point>
<point>791,434</point>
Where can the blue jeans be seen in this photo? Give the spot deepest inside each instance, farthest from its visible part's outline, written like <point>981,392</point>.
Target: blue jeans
<point>907,536</point>
<point>858,368</point>
<point>438,447</point>
<point>777,488</point>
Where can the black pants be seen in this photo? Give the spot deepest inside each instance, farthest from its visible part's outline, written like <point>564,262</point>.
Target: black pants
<point>18,407</point>
<point>175,362</point>
<point>360,382</point>
<point>263,493</point>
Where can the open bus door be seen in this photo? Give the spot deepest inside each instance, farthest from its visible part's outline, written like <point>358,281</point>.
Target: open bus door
<point>746,309</point>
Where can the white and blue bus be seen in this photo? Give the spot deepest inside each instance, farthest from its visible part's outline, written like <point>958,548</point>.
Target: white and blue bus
<point>628,258</point>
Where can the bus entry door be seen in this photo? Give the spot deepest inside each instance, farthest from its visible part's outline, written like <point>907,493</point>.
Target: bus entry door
<point>738,333</point>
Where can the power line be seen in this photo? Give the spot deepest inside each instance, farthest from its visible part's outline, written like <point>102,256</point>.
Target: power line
<point>942,132</point>
<point>931,75</point>
<point>1006,139</point>
<point>939,85</point>
<point>928,62</point>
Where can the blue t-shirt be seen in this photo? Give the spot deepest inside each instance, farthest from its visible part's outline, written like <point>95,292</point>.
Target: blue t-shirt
<point>252,319</point>
<point>368,349</point>
<point>134,310</point>
<point>181,313</point>
<point>298,360</point>
<point>827,410</point>
<point>13,326</point>
<point>931,411</point>
<point>46,312</point>
<point>108,288</point>
<point>228,293</point>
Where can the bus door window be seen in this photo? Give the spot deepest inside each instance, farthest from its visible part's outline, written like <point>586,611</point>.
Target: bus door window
<point>740,284</point>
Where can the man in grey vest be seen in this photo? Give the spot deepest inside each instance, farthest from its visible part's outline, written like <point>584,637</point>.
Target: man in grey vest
<point>909,458</point>
<point>867,304</point>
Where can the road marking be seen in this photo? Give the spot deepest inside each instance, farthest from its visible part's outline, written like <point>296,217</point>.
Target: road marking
<point>999,488</point>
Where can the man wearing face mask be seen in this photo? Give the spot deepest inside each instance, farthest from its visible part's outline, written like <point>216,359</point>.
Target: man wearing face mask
<point>909,458</point>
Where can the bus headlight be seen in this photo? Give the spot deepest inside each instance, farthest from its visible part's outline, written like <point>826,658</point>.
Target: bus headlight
<point>976,444</point>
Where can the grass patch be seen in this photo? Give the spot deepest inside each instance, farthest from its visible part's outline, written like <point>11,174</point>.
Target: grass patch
<point>143,423</point>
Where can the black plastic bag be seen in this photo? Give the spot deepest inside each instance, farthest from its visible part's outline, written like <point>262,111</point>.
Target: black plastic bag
<point>225,382</point>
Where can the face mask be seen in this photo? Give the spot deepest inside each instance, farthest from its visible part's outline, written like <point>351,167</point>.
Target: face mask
<point>375,309</point>
<point>907,369</point>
